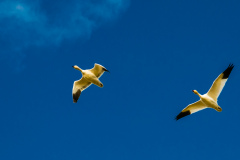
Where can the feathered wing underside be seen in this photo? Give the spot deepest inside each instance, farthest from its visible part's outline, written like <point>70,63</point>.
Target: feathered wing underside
<point>78,87</point>
<point>98,70</point>
<point>191,108</point>
<point>217,87</point>
<point>219,83</point>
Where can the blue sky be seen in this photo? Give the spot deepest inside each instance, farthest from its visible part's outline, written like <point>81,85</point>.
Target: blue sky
<point>156,51</point>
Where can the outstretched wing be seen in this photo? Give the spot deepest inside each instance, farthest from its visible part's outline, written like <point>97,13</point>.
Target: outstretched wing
<point>98,70</point>
<point>78,87</point>
<point>219,83</point>
<point>191,108</point>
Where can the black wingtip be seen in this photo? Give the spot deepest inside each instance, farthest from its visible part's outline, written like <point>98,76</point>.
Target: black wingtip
<point>76,96</point>
<point>182,114</point>
<point>106,70</point>
<point>227,72</point>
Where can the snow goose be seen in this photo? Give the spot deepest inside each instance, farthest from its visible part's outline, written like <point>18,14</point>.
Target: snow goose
<point>88,77</point>
<point>208,100</point>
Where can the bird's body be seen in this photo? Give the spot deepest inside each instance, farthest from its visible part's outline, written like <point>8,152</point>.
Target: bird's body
<point>208,100</point>
<point>88,77</point>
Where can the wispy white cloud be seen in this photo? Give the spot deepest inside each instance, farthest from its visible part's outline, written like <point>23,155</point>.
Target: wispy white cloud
<point>14,9</point>
<point>43,22</point>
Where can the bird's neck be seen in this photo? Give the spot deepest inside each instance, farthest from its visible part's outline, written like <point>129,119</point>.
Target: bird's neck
<point>198,94</point>
<point>78,68</point>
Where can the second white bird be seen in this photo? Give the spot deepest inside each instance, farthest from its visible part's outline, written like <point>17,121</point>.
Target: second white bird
<point>208,100</point>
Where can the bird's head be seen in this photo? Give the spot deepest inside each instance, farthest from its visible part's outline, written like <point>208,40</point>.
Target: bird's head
<point>77,68</point>
<point>195,91</point>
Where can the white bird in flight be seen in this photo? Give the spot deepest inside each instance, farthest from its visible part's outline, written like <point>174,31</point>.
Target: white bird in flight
<point>88,77</point>
<point>208,100</point>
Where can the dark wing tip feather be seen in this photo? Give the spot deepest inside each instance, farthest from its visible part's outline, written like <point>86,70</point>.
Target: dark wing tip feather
<point>182,114</point>
<point>105,70</point>
<point>227,72</point>
<point>76,96</point>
